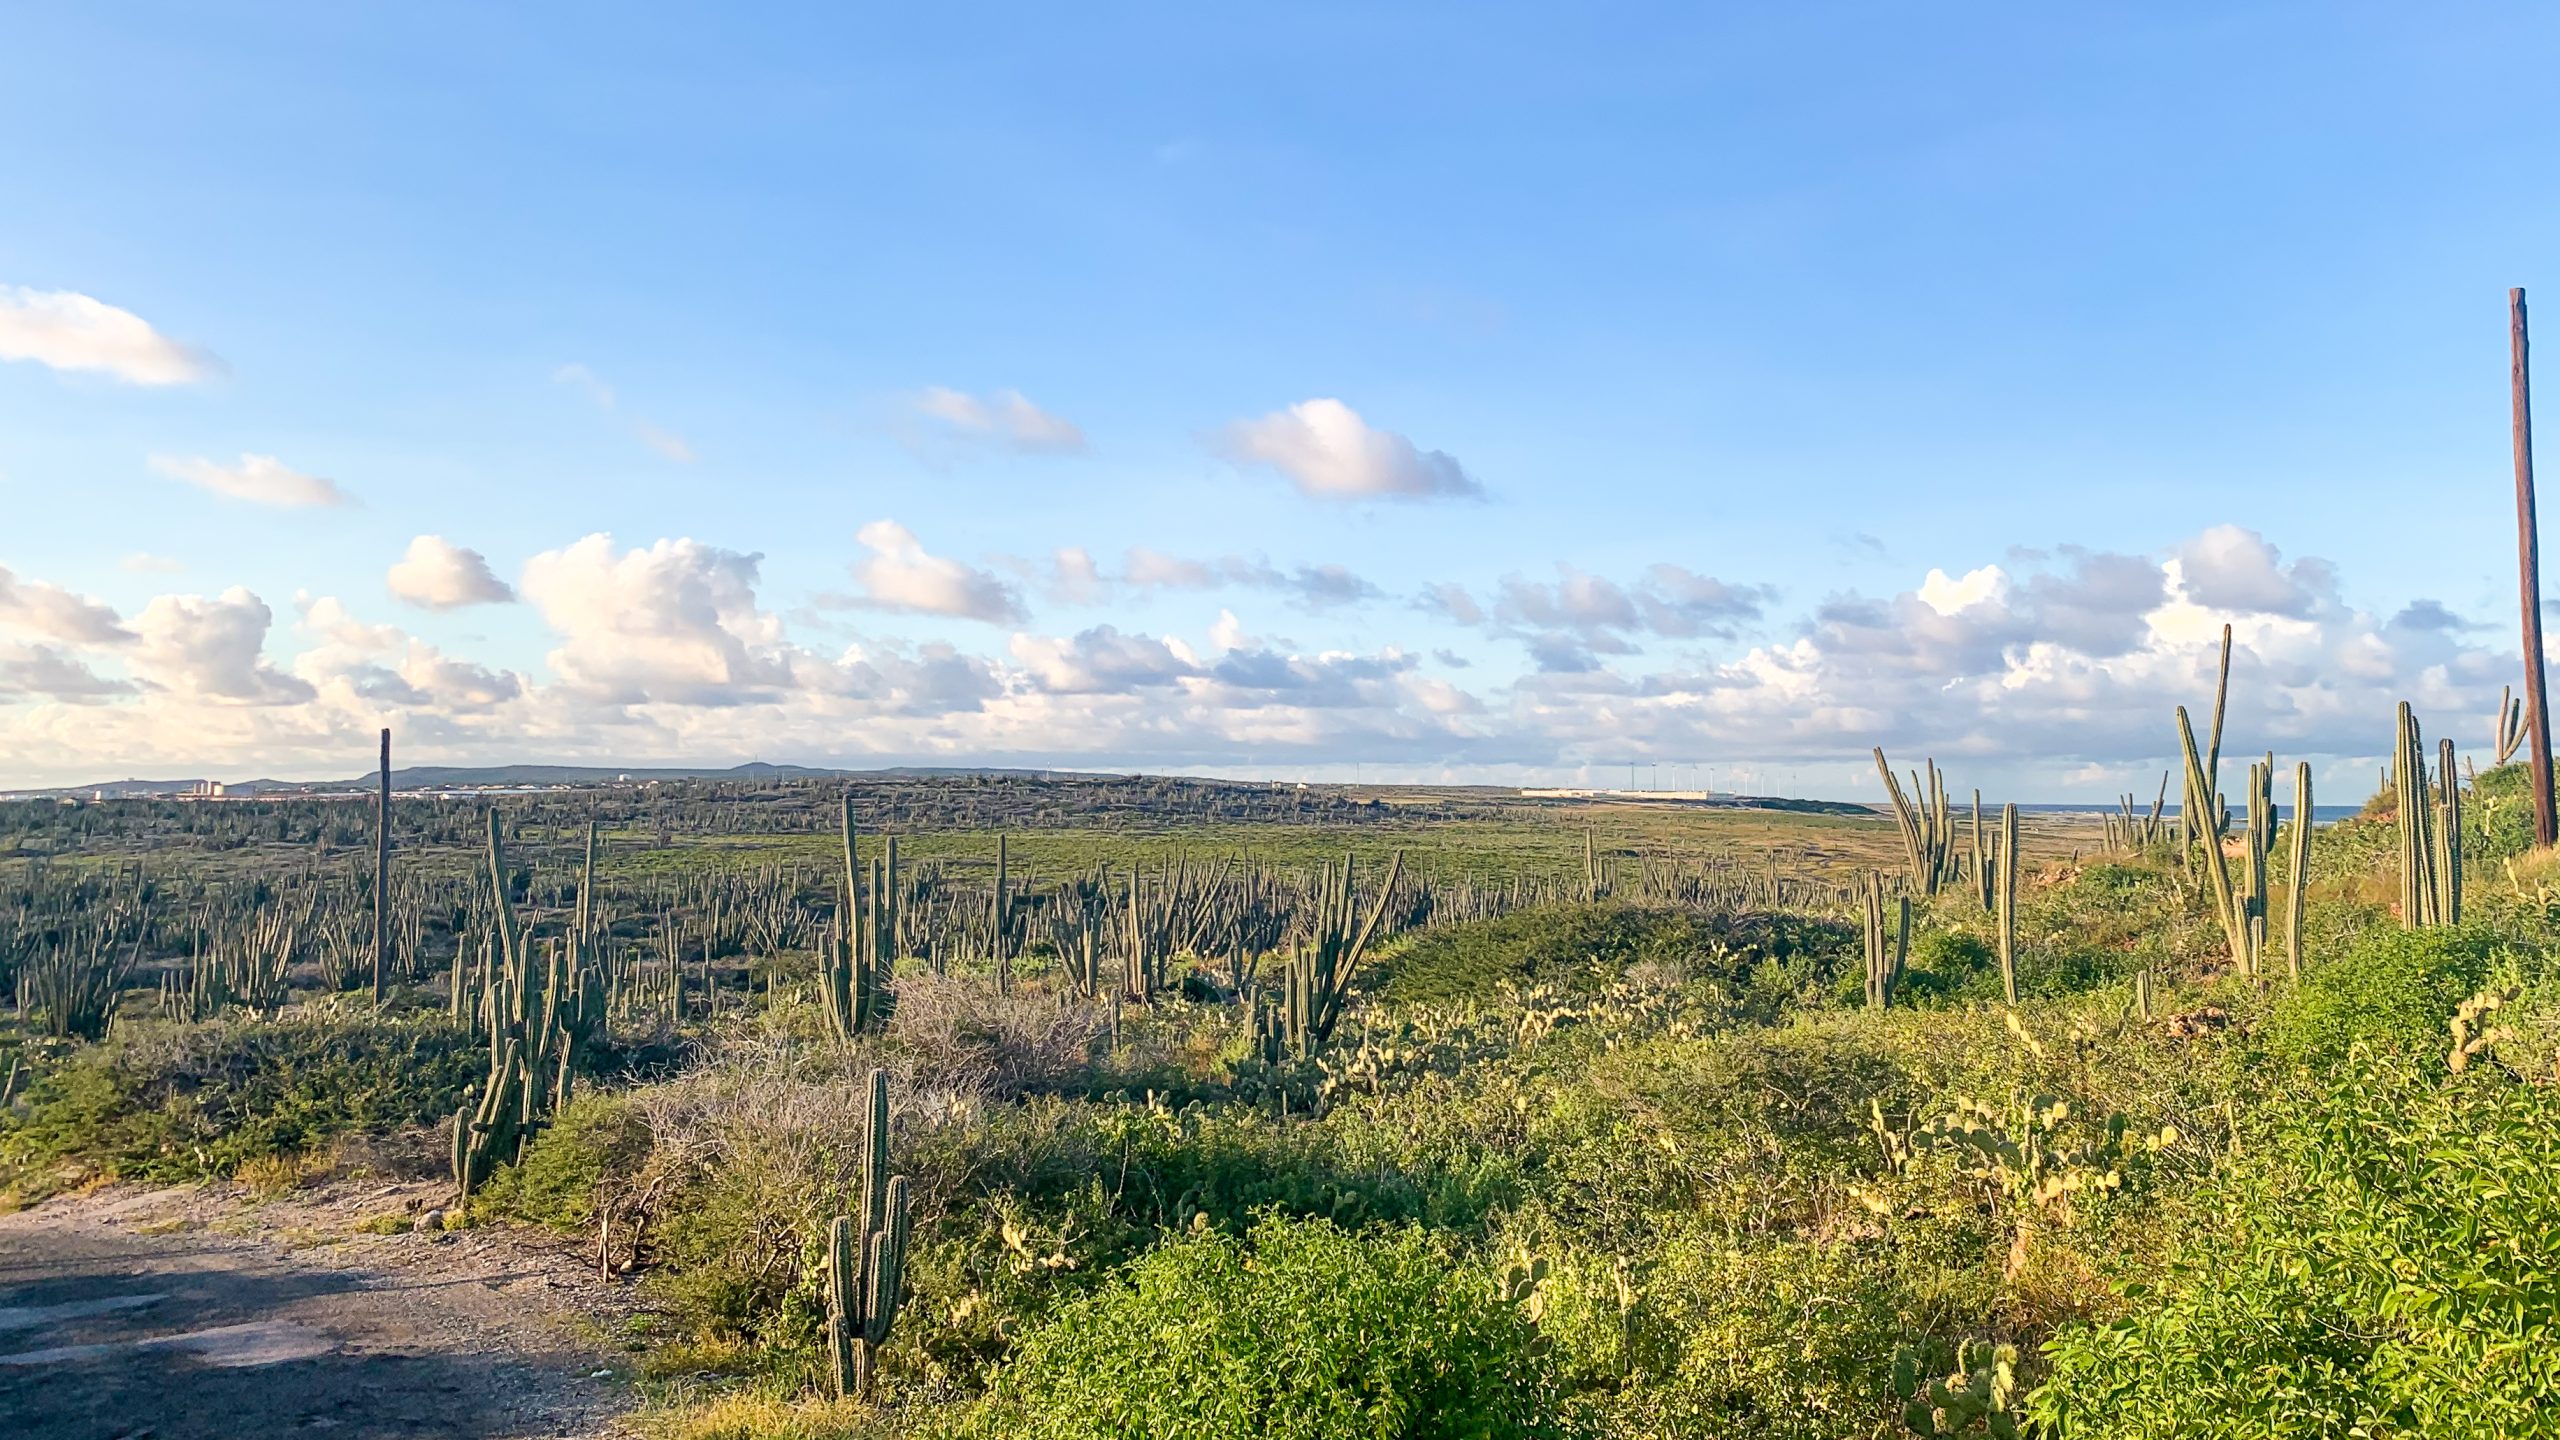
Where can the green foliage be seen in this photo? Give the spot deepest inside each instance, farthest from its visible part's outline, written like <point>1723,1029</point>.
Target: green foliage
<point>2385,1261</point>
<point>168,1102</point>
<point>1578,948</point>
<point>593,1138</point>
<point>2392,990</point>
<point>1304,1332</point>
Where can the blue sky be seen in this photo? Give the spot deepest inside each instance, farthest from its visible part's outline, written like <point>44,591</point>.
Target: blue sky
<point>1803,303</point>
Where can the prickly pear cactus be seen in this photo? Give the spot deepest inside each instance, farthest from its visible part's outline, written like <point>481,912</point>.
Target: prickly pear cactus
<point>1981,1395</point>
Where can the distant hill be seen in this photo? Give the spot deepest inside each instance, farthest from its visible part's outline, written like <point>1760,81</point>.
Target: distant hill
<point>438,777</point>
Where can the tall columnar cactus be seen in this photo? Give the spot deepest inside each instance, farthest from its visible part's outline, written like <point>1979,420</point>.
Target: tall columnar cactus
<point>853,976</point>
<point>2430,829</point>
<point>1981,859</point>
<point>867,1257</point>
<point>2005,897</point>
<point>2299,872</point>
<point>1317,981</point>
<point>1922,813</point>
<point>2226,900</point>
<point>1884,957</point>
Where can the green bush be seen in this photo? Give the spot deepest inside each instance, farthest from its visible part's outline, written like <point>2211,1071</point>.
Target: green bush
<point>592,1137</point>
<point>2392,990</point>
<point>2385,1262</point>
<point>170,1102</point>
<point>1578,948</point>
<point>1306,1332</point>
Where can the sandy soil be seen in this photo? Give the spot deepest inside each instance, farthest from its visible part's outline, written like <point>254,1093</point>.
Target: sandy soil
<point>200,1313</point>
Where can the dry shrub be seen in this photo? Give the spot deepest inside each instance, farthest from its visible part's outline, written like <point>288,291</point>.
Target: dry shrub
<point>968,1040</point>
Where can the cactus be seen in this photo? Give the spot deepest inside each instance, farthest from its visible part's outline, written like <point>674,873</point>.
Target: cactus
<point>2226,902</point>
<point>853,976</point>
<point>2430,829</point>
<point>1983,1389</point>
<point>543,1015</point>
<point>1884,962</point>
<point>2507,729</point>
<point>867,1258</point>
<point>1317,979</point>
<point>1922,814</point>
<point>2005,901</point>
<point>2299,873</point>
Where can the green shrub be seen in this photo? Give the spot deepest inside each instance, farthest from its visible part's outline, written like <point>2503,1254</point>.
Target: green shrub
<point>2392,990</point>
<point>169,1102</point>
<point>592,1137</point>
<point>2386,1262</point>
<point>1306,1332</point>
<point>1585,947</point>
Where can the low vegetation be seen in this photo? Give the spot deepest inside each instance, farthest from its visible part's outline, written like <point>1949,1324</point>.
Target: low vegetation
<point>1640,1144</point>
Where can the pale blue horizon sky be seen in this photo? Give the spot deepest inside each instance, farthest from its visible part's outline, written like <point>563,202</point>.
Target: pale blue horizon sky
<point>1806,302</point>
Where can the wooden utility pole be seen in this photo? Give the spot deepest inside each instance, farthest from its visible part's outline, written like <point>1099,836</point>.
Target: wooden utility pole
<point>382,874</point>
<point>2546,823</point>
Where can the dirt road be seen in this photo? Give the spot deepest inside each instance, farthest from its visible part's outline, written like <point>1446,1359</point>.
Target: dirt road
<point>187,1315</point>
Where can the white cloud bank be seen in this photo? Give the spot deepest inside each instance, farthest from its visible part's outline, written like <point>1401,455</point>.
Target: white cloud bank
<point>2046,672</point>
<point>71,331</point>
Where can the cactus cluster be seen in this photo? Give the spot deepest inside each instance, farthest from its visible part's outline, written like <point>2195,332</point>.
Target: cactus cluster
<point>2473,1036</point>
<point>2230,906</point>
<point>542,1013</point>
<point>1299,1023</point>
<point>858,961</point>
<point>1927,834</point>
<point>867,1257</point>
<point>2131,828</point>
<point>2430,828</point>
<point>2507,728</point>
<point>1982,1390</point>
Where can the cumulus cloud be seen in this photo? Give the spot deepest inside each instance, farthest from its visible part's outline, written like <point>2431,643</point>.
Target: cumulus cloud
<point>2048,669</point>
<point>900,575</point>
<point>53,613</point>
<point>71,331</point>
<point>677,622</point>
<point>586,382</point>
<point>212,649</point>
<point>2229,568</point>
<point>440,575</point>
<point>1325,449</point>
<point>42,672</point>
<point>258,479</point>
<point>1004,417</point>
<point>1570,622</point>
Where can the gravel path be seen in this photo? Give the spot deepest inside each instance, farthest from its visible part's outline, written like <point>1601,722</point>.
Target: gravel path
<point>190,1314</point>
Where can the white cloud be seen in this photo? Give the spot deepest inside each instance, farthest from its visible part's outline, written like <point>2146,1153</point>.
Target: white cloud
<point>2061,675</point>
<point>657,437</point>
<point>53,613</point>
<point>900,575</point>
<point>1328,451</point>
<point>212,650</point>
<point>1005,417</point>
<point>440,575</point>
<point>258,479</point>
<point>675,623</point>
<point>71,331</point>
